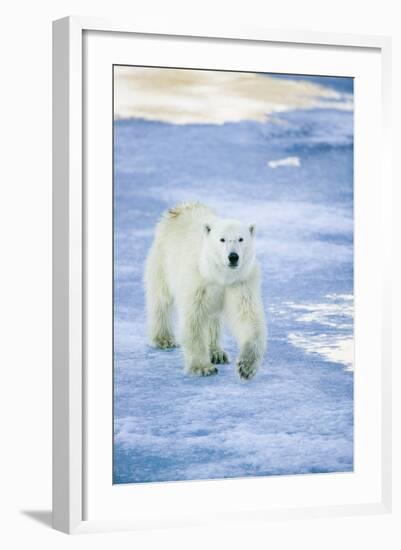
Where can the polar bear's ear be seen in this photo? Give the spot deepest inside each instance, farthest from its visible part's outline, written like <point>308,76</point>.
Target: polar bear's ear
<point>252,229</point>
<point>207,228</point>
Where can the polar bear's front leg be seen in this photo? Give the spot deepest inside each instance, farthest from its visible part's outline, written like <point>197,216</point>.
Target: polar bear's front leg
<point>217,354</point>
<point>244,309</point>
<point>194,318</point>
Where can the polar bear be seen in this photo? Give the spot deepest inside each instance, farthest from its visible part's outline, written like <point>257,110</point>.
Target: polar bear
<point>205,267</point>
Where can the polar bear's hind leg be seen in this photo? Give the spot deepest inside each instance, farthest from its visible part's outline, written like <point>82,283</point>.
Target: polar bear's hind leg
<point>159,303</point>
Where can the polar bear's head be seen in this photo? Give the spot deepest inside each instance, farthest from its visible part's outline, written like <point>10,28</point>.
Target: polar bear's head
<point>228,253</point>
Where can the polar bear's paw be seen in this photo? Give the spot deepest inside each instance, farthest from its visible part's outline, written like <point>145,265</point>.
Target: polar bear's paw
<point>246,368</point>
<point>219,357</point>
<point>203,370</point>
<point>164,342</point>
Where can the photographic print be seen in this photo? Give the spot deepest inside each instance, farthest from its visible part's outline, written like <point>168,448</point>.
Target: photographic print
<point>232,273</point>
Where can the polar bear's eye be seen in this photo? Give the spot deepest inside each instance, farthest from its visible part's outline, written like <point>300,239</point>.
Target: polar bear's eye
<point>222,240</point>
<point>240,239</point>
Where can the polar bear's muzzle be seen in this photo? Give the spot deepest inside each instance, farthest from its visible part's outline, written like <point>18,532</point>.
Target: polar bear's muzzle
<point>233,259</point>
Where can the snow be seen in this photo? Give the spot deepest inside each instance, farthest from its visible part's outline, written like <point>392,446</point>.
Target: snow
<point>296,415</point>
<point>288,161</point>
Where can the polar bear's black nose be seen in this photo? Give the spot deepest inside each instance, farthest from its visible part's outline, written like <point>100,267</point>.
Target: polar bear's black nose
<point>233,258</point>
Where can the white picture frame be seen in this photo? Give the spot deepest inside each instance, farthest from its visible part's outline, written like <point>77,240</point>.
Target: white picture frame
<point>71,332</point>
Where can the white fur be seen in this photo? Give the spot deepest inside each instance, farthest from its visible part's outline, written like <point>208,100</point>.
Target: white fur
<point>188,267</point>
